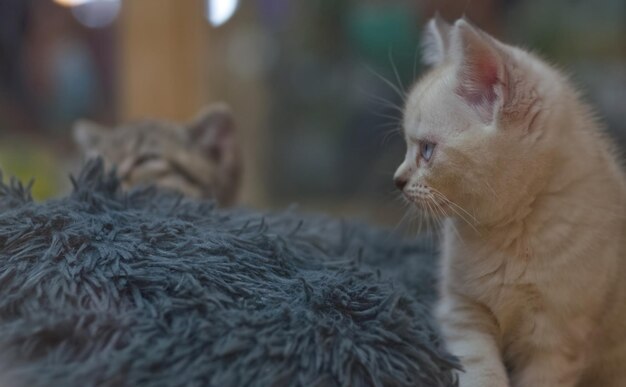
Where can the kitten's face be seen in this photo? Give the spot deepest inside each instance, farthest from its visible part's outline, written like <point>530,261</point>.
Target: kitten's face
<point>200,160</point>
<point>471,138</point>
<point>149,152</point>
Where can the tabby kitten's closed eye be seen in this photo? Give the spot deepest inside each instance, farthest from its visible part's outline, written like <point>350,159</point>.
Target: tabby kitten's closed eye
<point>200,159</point>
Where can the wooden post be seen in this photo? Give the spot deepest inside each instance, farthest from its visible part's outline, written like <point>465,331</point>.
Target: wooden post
<point>163,59</point>
<point>172,63</point>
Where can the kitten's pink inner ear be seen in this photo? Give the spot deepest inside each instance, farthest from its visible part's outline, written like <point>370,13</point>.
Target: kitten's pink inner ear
<point>480,71</point>
<point>479,79</point>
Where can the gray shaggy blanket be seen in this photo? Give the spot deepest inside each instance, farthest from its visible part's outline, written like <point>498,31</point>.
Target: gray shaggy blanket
<point>107,288</point>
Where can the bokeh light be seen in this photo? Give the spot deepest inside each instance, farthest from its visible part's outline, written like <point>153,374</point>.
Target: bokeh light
<point>219,12</point>
<point>71,3</point>
<point>96,13</point>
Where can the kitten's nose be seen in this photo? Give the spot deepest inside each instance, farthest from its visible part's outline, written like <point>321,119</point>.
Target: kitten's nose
<point>400,182</point>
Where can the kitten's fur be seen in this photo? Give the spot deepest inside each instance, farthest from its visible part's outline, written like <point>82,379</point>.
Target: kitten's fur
<point>533,287</point>
<point>200,159</point>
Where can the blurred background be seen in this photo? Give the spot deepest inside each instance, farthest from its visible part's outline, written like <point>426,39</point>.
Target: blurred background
<point>311,82</point>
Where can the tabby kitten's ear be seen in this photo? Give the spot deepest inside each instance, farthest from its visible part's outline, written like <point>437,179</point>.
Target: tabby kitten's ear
<point>436,41</point>
<point>213,131</point>
<point>87,135</point>
<point>481,69</point>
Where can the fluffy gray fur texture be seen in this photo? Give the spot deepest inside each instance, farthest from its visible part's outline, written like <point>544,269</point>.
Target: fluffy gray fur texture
<point>143,288</point>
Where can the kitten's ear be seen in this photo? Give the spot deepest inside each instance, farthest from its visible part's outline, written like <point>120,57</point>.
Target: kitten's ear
<point>436,41</point>
<point>213,131</point>
<point>88,135</point>
<point>481,69</point>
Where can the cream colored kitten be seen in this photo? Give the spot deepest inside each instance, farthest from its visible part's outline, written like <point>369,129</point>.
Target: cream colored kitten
<point>200,159</point>
<point>533,286</point>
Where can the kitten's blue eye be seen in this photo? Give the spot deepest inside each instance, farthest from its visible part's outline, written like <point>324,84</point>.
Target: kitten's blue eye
<point>426,149</point>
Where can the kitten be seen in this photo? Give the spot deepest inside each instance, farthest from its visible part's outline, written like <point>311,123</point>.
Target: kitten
<point>533,287</point>
<point>200,159</point>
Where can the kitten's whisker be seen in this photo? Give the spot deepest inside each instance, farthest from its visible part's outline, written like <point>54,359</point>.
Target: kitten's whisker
<point>417,47</point>
<point>432,216</point>
<point>463,218</point>
<point>388,83</point>
<point>388,136</point>
<point>389,131</point>
<point>436,219</point>
<point>452,206</point>
<point>421,221</point>
<point>448,201</point>
<point>395,119</point>
<point>385,102</point>
<point>415,219</point>
<point>454,228</point>
<point>399,197</point>
<point>406,216</point>
<point>390,127</point>
<point>426,217</point>
<point>395,71</point>
<point>441,214</point>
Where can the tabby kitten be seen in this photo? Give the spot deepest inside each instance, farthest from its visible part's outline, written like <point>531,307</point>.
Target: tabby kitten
<point>200,159</point>
<point>533,276</point>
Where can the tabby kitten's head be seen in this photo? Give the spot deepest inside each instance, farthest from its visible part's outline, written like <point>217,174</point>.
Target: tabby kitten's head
<point>200,159</point>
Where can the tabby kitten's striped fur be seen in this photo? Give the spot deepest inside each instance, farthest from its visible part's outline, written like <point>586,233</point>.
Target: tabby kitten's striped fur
<point>200,159</point>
